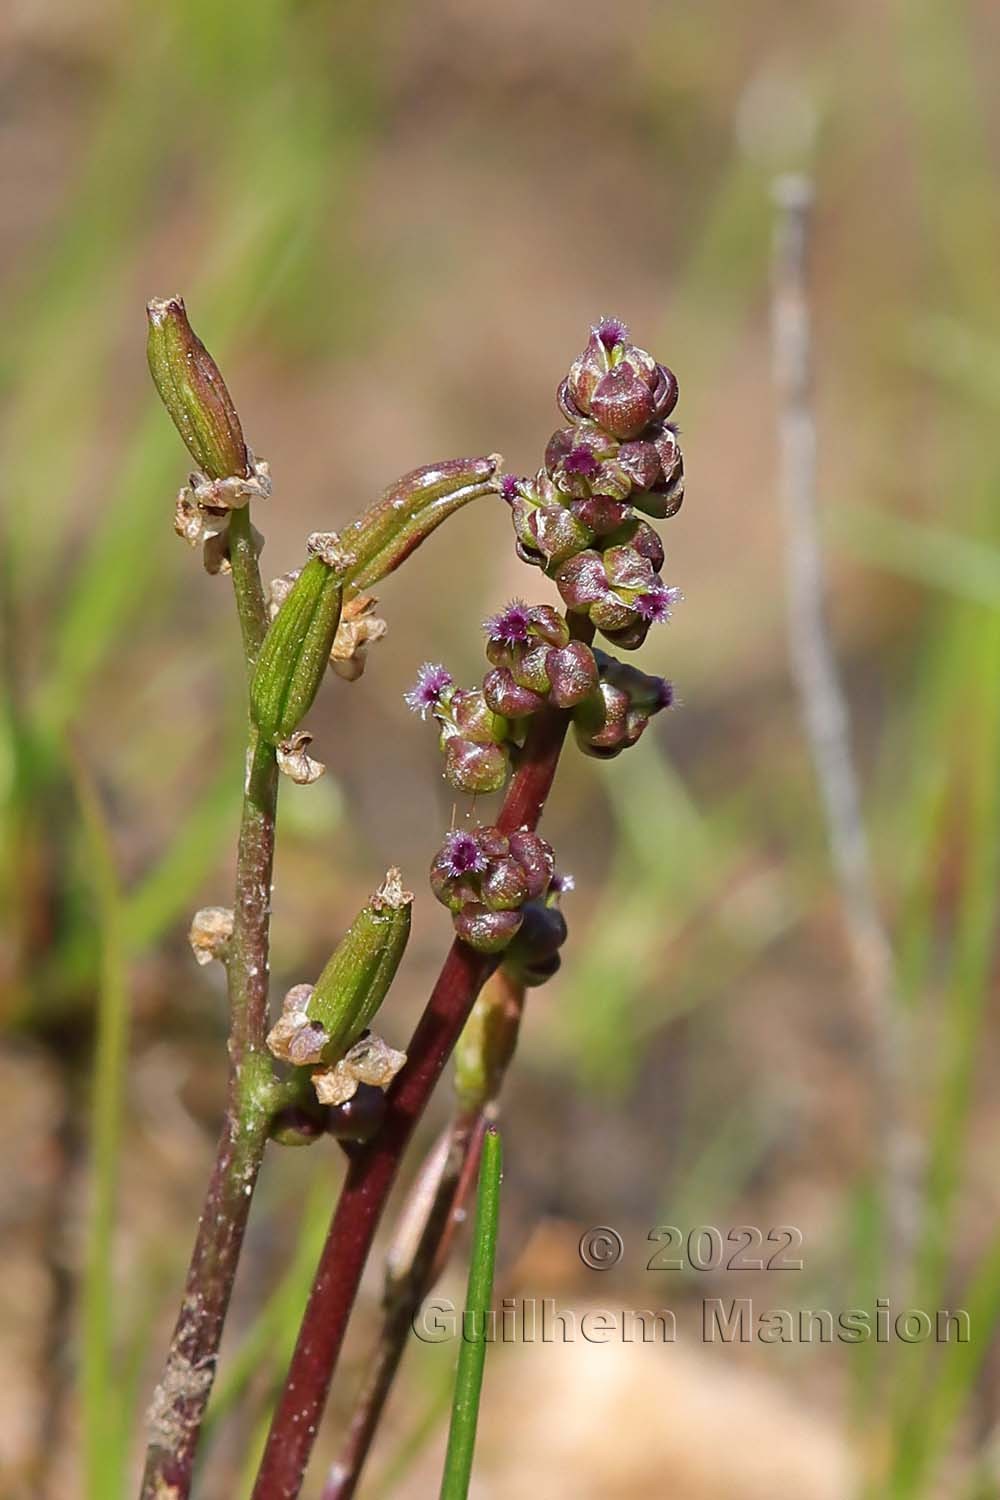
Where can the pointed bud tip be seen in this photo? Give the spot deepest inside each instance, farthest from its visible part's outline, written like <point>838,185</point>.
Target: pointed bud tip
<point>159,309</point>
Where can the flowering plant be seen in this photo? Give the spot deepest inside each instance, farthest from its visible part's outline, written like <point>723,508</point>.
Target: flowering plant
<point>319,1068</point>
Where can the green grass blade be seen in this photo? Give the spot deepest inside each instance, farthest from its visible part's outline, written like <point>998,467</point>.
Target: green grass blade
<point>923,553</point>
<point>472,1350</point>
<point>103,1418</point>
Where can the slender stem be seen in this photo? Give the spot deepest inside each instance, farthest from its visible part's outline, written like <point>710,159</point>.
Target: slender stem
<point>406,1289</point>
<point>419,1253</point>
<point>248,588</point>
<point>179,1401</point>
<point>373,1168</point>
<point>826,716</point>
<point>472,1348</point>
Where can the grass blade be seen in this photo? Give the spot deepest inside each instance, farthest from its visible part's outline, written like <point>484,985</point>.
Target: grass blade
<point>472,1350</point>
<point>103,1418</point>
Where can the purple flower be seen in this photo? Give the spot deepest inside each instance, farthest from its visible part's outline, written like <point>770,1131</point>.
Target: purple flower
<point>511,625</point>
<point>508,487</point>
<point>432,682</point>
<point>656,604</point>
<point>612,332</point>
<point>561,883</point>
<point>461,855</point>
<point>581,461</point>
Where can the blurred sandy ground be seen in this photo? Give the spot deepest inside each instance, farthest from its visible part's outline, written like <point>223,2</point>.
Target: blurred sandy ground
<point>530,167</point>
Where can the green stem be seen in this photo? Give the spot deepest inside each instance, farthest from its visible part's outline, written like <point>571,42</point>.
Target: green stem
<point>180,1399</point>
<point>472,1349</point>
<point>247,586</point>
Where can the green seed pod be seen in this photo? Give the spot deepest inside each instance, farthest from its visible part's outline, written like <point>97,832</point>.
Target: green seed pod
<point>296,649</point>
<point>192,389</point>
<point>388,531</point>
<point>357,978</point>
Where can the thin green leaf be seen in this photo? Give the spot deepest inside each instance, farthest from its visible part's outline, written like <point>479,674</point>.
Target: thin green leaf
<point>103,1416</point>
<point>923,553</point>
<point>472,1351</point>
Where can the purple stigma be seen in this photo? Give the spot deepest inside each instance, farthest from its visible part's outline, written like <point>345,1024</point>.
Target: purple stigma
<point>581,461</point>
<point>508,487</point>
<point>656,604</point>
<point>510,627</point>
<point>432,682</point>
<point>561,883</point>
<point>612,332</point>
<point>463,855</point>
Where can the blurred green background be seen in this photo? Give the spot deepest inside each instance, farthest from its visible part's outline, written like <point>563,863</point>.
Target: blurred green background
<point>393,225</point>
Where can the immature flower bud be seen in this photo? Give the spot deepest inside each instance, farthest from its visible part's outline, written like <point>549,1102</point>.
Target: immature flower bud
<point>297,647</point>
<point>535,661</point>
<point>614,718</point>
<point>586,463</point>
<point>619,590</point>
<point>485,878</point>
<point>546,529</point>
<point>473,736</point>
<point>388,531</point>
<point>320,1022</point>
<point>617,384</point>
<point>194,392</point>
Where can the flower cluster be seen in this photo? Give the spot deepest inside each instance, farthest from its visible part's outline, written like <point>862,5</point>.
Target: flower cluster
<point>535,662</point>
<point>577,518</point>
<point>583,520</point>
<point>487,879</point>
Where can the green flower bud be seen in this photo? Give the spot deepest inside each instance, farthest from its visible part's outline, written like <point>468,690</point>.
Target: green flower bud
<point>297,646</point>
<point>194,392</point>
<point>320,1023</point>
<point>388,531</point>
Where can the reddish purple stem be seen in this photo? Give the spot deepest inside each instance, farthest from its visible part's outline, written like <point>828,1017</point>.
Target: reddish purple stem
<point>372,1171</point>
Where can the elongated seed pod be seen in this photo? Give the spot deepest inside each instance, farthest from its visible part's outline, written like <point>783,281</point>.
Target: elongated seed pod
<point>357,978</point>
<point>296,650</point>
<point>386,533</point>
